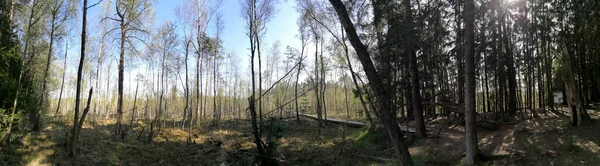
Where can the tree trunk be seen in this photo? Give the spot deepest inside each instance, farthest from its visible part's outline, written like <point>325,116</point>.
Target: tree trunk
<point>187,96</point>
<point>414,75</point>
<point>62,83</point>
<point>11,9</point>
<point>296,86</point>
<point>376,84</point>
<point>215,90</point>
<point>459,54</point>
<point>75,131</point>
<point>134,107</point>
<point>352,73</point>
<point>470,105</point>
<point>260,100</point>
<point>121,75</point>
<point>579,114</point>
<point>36,126</point>
<point>512,80</point>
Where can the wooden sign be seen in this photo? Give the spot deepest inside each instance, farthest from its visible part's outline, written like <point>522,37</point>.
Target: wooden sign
<point>558,97</point>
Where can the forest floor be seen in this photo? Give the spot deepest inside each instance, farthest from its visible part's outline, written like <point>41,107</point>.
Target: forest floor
<point>547,140</point>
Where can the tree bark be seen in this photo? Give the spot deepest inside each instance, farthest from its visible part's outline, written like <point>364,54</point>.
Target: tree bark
<point>75,131</point>
<point>376,84</point>
<point>36,126</point>
<point>187,96</point>
<point>459,54</point>
<point>296,84</point>
<point>121,69</point>
<point>414,73</point>
<point>509,62</point>
<point>579,114</point>
<point>470,105</point>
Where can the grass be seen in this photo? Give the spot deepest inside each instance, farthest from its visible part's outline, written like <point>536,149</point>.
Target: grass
<point>545,141</point>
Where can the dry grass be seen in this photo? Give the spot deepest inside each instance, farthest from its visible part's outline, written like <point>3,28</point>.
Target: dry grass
<point>547,140</point>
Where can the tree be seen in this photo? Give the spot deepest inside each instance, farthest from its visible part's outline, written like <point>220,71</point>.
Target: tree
<point>166,40</point>
<point>183,18</point>
<point>60,12</point>
<point>470,107</point>
<point>33,20</point>
<point>256,13</point>
<point>579,114</point>
<point>216,51</point>
<point>77,123</point>
<point>309,11</point>
<point>132,15</point>
<point>376,84</point>
<point>414,71</point>
<point>62,82</point>
<point>302,32</point>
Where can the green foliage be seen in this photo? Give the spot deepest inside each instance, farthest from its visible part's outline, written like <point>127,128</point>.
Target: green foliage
<point>370,139</point>
<point>9,74</point>
<point>8,118</point>
<point>14,77</point>
<point>114,158</point>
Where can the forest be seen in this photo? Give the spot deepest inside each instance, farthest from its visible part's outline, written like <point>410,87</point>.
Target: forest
<point>299,82</point>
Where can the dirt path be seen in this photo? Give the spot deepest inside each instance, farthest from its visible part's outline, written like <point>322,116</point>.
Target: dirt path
<point>548,139</point>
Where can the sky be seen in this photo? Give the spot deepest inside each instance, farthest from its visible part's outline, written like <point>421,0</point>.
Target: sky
<point>282,27</point>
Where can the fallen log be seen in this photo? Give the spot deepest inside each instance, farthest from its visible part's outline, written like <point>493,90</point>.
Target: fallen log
<point>338,121</point>
<point>354,123</point>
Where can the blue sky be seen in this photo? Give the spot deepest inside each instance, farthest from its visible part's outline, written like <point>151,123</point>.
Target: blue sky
<point>282,27</point>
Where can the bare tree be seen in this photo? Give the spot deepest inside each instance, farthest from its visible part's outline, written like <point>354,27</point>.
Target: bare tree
<point>256,13</point>
<point>76,121</point>
<point>166,41</point>
<point>304,42</point>
<point>131,17</point>
<point>183,18</point>
<point>62,82</point>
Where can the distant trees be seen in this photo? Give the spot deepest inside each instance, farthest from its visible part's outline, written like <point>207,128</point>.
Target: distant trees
<point>165,41</point>
<point>484,61</point>
<point>60,12</point>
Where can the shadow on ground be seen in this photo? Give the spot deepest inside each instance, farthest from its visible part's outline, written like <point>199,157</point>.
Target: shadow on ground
<point>548,139</point>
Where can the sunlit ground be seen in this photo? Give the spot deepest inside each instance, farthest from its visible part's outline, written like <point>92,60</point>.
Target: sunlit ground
<point>546,140</point>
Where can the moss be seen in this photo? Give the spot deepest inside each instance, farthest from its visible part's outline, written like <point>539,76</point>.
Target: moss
<point>370,139</point>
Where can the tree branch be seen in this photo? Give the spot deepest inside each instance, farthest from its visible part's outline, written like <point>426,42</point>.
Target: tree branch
<point>91,6</point>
